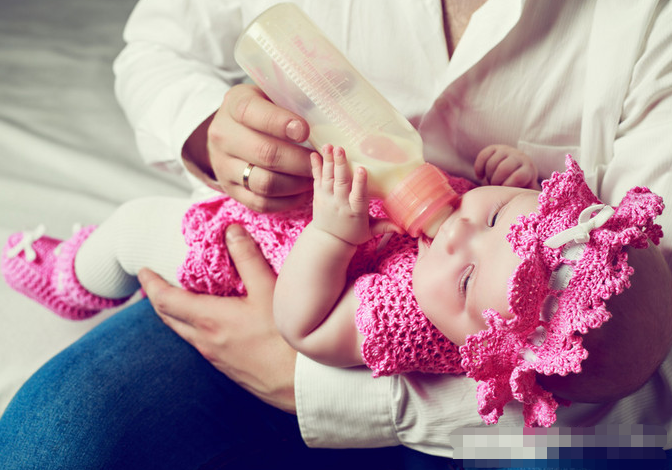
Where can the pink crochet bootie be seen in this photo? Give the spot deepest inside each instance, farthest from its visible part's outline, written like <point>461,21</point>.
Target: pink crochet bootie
<point>43,268</point>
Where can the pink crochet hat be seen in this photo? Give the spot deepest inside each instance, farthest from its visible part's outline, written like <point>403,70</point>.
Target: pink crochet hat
<point>573,260</point>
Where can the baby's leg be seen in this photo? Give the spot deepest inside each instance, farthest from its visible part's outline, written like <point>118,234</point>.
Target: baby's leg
<point>141,233</point>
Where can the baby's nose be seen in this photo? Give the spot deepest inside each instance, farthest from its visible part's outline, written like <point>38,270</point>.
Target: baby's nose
<point>459,235</point>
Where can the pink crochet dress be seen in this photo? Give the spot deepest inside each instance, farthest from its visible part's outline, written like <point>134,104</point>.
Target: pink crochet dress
<point>398,336</point>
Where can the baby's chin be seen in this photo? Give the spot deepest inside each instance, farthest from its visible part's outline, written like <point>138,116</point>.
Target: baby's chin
<point>458,331</point>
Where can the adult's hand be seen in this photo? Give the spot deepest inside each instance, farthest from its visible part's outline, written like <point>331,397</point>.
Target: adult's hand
<point>236,334</point>
<point>249,129</point>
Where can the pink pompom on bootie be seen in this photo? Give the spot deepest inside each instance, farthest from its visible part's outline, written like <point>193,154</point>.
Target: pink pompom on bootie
<point>43,268</point>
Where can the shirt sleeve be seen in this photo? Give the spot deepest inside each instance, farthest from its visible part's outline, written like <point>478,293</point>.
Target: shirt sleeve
<point>347,408</point>
<point>642,151</point>
<point>343,408</point>
<point>174,71</point>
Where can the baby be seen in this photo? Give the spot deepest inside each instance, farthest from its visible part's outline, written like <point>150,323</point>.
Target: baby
<point>371,315</point>
<point>515,313</point>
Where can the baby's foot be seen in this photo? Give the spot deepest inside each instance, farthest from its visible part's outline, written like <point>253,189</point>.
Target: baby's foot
<point>43,268</point>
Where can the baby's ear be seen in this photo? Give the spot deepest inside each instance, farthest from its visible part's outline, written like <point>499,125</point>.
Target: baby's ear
<point>628,349</point>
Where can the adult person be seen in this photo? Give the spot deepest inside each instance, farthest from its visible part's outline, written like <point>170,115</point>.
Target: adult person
<point>547,77</point>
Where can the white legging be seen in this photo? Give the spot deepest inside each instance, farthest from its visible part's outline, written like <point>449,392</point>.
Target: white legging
<point>141,233</point>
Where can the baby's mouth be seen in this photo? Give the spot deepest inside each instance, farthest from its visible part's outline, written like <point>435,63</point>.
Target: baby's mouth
<point>425,240</point>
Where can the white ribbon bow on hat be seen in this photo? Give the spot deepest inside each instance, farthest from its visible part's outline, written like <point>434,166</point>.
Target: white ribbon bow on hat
<point>580,233</point>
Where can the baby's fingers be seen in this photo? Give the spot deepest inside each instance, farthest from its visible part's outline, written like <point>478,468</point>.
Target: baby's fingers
<point>482,159</point>
<point>359,196</point>
<point>342,177</point>
<point>328,168</point>
<point>495,164</point>
<point>316,168</point>
<point>524,176</point>
<point>506,167</point>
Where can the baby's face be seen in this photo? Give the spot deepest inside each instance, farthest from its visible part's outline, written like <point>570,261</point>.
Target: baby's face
<point>466,268</point>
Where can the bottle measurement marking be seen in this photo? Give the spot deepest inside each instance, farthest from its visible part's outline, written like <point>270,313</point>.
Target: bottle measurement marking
<point>319,89</point>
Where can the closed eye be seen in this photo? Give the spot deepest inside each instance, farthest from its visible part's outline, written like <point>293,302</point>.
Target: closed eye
<point>465,279</point>
<point>492,219</point>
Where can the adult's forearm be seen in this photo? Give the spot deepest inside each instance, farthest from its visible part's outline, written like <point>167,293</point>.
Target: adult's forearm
<point>174,71</point>
<point>196,158</point>
<point>347,408</point>
<point>343,408</point>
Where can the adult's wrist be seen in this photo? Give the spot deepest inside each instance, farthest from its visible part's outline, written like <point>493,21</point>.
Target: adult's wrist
<point>343,407</point>
<point>195,155</point>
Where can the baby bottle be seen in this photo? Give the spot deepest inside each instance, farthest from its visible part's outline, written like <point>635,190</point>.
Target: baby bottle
<point>299,69</point>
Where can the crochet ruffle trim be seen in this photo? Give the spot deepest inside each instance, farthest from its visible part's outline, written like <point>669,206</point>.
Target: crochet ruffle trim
<point>506,357</point>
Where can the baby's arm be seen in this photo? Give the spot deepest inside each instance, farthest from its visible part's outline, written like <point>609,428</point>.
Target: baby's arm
<point>502,165</point>
<point>314,308</point>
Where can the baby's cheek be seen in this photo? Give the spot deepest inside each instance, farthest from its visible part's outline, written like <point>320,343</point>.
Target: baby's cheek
<point>428,299</point>
<point>420,291</point>
<point>419,277</point>
<point>480,323</point>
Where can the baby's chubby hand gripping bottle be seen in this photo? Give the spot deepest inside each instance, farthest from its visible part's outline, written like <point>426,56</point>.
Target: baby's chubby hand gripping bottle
<point>299,69</point>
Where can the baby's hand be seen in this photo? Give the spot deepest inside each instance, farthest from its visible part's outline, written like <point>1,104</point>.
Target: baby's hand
<point>341,202</point>
<point>502,165</point>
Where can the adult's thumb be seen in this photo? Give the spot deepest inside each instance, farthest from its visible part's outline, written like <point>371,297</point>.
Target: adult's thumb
<point>254,270</point>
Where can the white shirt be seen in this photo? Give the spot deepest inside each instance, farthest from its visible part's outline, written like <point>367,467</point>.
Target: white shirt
<point>586,77</point>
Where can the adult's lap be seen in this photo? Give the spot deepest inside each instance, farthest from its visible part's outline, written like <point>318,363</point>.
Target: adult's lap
<point>132,394</point>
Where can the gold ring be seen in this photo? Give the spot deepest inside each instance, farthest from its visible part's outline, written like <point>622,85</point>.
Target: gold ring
<point>246,176</point>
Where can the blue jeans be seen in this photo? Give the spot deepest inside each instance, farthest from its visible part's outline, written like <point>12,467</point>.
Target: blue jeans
<point>132,394</point>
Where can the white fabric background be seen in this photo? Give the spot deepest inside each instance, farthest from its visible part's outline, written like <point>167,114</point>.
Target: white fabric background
<point>67,154</point>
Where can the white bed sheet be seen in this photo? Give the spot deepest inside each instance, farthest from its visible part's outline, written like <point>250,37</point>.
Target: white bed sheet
<point>67,154</point>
